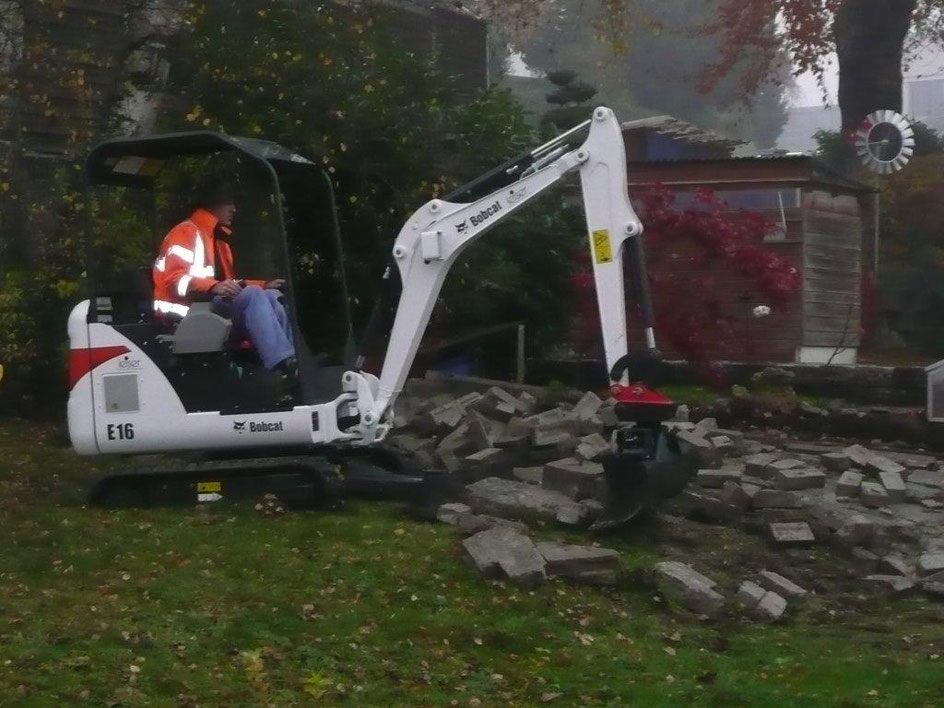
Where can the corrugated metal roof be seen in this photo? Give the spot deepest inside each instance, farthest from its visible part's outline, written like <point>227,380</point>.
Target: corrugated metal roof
<point>818,166</point>
<point>676,128</point>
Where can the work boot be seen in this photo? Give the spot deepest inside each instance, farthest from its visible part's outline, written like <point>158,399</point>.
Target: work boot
<point>289,369</point>
<point>291,385</point>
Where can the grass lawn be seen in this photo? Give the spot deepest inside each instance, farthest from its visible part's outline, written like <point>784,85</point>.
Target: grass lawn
<point>362,606</point>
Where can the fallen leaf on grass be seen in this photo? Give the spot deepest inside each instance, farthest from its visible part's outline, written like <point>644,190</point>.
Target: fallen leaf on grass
<point>317,685</point>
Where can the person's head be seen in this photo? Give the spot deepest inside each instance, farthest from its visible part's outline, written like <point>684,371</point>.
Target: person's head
<point>220,200</point>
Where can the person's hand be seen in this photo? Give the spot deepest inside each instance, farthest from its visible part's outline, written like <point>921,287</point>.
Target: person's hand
<point>227,288</point>
<point>276,284</point>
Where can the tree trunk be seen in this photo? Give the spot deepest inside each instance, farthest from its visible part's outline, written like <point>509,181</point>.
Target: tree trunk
<point>870,37</point>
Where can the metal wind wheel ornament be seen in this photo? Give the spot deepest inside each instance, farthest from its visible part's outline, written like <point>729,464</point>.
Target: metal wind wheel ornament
<point>885,142</point>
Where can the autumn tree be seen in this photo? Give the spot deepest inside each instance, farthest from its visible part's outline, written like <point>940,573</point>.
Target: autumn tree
<point>870,38</point>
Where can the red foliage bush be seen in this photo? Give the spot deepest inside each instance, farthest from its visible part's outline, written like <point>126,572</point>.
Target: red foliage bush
<point>689,312</point>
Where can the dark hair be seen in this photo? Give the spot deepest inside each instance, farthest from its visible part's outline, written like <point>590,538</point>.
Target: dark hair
<point>215,193</point>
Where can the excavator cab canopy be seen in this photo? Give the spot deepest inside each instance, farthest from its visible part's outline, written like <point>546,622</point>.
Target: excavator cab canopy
<point>285,227</point>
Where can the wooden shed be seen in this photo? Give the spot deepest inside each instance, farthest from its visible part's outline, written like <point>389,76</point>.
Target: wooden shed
<point>826,226</point>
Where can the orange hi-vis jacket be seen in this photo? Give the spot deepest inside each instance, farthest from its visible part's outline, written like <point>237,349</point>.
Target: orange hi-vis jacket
<point>186,263</point>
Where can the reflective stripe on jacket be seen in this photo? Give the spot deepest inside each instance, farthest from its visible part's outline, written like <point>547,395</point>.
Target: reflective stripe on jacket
<point>186,263</point>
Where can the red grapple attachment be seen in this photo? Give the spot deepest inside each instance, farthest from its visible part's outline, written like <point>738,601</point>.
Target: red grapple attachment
<point>646,464</point>
<point>639,404</point>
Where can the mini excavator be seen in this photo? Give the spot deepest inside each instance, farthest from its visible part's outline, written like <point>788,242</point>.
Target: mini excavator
<point>142,386</point>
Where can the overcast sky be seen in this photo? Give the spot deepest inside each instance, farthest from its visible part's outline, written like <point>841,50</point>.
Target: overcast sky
<point>929,63</point>
<point>809,93</point>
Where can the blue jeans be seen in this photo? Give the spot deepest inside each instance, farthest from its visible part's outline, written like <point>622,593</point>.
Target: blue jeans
<point>258,315</point>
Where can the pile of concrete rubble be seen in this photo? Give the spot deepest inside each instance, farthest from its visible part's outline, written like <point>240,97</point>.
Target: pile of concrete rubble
<point>520,465</point>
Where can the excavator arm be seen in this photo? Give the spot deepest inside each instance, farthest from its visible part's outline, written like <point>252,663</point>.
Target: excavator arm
<point>440,231</point>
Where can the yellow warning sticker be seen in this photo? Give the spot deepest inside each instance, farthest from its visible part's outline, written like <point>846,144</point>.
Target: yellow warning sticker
<point>209,487</point>
<point>602,250</point>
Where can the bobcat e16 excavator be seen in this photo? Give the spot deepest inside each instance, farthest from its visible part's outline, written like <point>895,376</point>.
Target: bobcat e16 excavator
<point>143,384</point>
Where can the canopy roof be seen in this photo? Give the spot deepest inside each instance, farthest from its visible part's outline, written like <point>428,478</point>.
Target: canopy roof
<point>134,162</point>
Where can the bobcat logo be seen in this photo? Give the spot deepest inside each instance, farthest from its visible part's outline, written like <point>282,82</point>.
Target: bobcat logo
<point>462,228</point>
<point>239,425</point>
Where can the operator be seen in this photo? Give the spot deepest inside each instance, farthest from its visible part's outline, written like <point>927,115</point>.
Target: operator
<point>195,263</point>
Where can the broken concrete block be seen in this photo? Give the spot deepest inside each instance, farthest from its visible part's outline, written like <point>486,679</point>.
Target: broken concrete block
<point>594,507</point>
<point>458,442</point>
<point>447,416</point>
<point>737,495</point>
<point>496,403</point>
<point>592,446</point>
<point>468,400</point>
<point>919,492</point>
<point>590,426</point>
<point>935,589</point>
<point>505,497</point>
<point>750,594</point>
<point>930,478</point>
<point>717,478</point>
<point>865,556</point>
<point>479,430</point>
<point>849,483</point>
<point>896,565</point>
<point>894,485</point>
<point>736,436</point>
<point>553,417</point>
<point>912,460</point>
<point>488,456</point>
<point>514,441</point>
<point>779,584</point>
<point>704,426</point>
<point>836,461</point>
<point>587,406</point>
<point>573,477</point>
<point>553,437</point>
<point>708,455</point>
<point>681,413</point>
<point>413,443</point>
<point>776,499</point>
<point>502,552</point>
<point>673,427</point>
<point>714,508</point>
<point>448,460</point>
<point>895,584</point>
<point>531,475</point>
<point>857,530</point>
<point>932,504</point>
<point>877,464</point>
<point>779,465</point>
<point>497,393</point>
<point>475,523</point>
<point>771,607</point>
<point>526,403</point>
<point>449,513</point>
<point>792,532</point>
<point>756,465</point>
<point>690,587</point>
<point>573,561</point>
<point>607,416</point>
<point>809,410</point>
<point>724,444</point>
<point>858,455</point>
<point>873,494</point>
<point>932,562</point>
<point>799,478</point>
